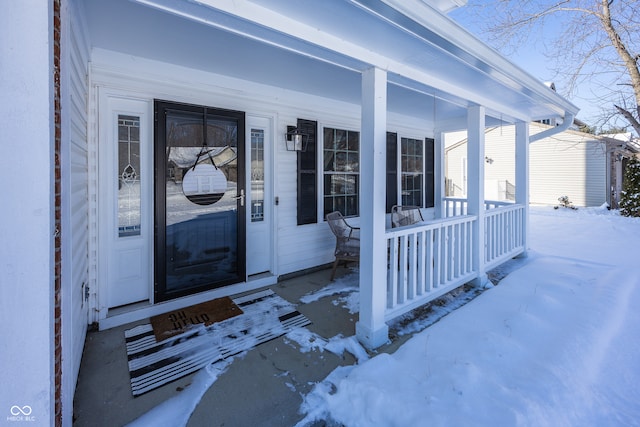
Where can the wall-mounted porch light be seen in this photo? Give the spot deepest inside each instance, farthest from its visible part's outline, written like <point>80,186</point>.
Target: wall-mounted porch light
<point>295,140</point>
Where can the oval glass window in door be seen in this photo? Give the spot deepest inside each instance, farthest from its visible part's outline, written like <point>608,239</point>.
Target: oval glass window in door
<point>204,184</point>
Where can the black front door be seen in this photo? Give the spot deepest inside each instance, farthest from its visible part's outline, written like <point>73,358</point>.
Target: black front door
<point>199,199</point>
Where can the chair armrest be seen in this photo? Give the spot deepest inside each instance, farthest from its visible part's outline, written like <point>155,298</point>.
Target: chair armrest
<point>351,232</point>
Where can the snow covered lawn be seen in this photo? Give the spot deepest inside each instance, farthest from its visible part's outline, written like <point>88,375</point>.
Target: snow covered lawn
<point>557,343</point>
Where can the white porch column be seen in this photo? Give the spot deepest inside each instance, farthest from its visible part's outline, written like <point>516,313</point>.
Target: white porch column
<point>371,329</point>
<point>522,177</point>
<point>438,173</point>
<point>475,186</point>
<point>28,216</point>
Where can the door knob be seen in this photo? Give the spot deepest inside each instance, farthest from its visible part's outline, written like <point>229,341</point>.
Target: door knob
<point>240,197</point>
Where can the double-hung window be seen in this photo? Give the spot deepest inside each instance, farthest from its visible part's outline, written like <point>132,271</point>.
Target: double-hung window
<point>410,172</point>
<point>341,159</point>
<point>412,167</point>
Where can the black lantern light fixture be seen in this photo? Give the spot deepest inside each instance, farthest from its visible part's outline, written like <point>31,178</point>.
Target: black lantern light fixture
<point>295,140</point>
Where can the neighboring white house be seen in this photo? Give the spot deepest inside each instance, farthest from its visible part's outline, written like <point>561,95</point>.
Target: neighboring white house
<point>581,166</point>
<point>116,103</point>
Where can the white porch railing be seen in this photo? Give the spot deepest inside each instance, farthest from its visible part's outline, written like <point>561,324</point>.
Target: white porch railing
<point>504,228</point>
<point>456,207</point>
<point>504,234</point>
<point>427,261</point>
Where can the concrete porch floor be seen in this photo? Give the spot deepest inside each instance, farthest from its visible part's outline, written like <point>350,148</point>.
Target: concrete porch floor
<point>263,388</point>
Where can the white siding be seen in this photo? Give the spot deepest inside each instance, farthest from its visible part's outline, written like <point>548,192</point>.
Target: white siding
<point>455,164</point>
<point>28,223</point>
<point>569,164</point>
<point>296,247</point>
<point>75,200</point>
<point>572,166</point>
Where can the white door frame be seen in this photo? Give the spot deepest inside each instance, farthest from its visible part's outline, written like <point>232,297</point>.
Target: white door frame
<point>260,234</point>
<point>99,311</point>
<point>127,261</point>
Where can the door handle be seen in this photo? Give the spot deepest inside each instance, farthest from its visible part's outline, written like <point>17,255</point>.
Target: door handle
<point>240,197</point>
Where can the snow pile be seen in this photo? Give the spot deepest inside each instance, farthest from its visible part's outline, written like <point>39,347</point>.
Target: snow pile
<point>557,343</point>
<point>421,318</point>
<point>347,287</point>
<point>309,341</point>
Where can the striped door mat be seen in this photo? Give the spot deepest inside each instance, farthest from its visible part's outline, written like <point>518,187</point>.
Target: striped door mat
<point>266,316</point>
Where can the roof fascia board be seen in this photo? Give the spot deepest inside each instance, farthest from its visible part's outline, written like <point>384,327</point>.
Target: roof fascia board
<point>256,22</point>
<point>259,23</point>
<point>449,92</point>
<point>420,19</point>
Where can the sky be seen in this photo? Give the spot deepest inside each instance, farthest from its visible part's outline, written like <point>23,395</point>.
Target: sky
<point>555,343</point>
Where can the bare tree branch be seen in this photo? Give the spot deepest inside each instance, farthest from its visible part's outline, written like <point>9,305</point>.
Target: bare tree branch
<point>629,117</point>
<point>594,41</point>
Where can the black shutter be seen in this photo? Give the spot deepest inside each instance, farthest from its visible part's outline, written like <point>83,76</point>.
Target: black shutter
<point>429,174</point>
<point>392,170</point>
<point>307,171</point>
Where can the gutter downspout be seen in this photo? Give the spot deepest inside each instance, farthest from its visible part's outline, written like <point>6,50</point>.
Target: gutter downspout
<point>566,123</point>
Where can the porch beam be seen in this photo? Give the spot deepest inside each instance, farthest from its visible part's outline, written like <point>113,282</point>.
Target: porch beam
<point>371,329</point>
<point>522,177</point>
<point>475,192</point>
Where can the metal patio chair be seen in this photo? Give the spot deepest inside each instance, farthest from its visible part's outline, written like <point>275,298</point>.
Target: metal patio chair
<point>405,215</point>
<point>347,240</point>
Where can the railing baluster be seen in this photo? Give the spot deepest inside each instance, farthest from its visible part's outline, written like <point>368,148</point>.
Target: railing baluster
<point>413,264</point>
<point>437,258</point>
<point>393,272</point>
<point>429,236</point>
<point>419,264</point>
<point>452,251</point>
<point>402,270</point>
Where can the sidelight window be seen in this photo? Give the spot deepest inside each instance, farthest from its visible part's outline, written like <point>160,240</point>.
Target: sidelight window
<point>129,197</point>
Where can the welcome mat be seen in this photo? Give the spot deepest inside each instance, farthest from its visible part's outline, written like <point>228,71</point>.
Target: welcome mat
<point>265,316</point>
<point>176,322</point>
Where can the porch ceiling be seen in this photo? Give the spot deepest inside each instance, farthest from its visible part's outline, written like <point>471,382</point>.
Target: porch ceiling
<point>344,37</point>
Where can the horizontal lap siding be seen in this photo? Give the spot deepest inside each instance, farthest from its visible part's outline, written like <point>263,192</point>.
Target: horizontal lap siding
<point>76,206</point>
<point>568,168</point>
<point>297,247</point>
<point>304,246</point>
<point>568,164</point>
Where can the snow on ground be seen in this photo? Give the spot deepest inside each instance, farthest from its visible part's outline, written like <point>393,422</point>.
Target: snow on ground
<point>177,410</point>
<point>347,289</point>
<point>556,343</point>
<point>308,341</point>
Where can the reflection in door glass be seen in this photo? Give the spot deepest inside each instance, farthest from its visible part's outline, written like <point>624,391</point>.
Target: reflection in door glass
<point>128,176</point>
<point>201,207</point>
<point>257,175</point>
